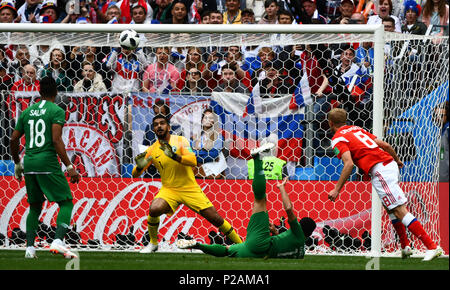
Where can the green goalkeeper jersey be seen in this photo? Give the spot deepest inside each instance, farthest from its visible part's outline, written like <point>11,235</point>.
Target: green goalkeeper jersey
<point>36,123</point>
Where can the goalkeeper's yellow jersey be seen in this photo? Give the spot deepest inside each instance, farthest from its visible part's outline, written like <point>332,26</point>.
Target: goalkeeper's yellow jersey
<point>174,174</point>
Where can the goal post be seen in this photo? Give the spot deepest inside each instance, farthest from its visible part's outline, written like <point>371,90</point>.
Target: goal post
<point>108,127</point>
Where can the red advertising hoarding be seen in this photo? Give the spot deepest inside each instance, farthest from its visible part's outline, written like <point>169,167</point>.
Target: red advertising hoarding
<point>105,207</point>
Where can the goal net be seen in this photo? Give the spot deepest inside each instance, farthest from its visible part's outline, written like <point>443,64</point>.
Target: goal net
<point>227,93</point>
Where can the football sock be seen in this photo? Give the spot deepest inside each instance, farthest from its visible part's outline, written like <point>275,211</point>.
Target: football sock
<point>228,231</point>
<point>153,225</point>
<point>63,219</point>
<point>415,227</point>
<point>32,223</point>
<point>214,249</point>
<point>259,181</point>
<point>401,231</point>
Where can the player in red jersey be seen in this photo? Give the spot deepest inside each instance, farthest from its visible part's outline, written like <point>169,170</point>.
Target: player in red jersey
<point>355,146</point>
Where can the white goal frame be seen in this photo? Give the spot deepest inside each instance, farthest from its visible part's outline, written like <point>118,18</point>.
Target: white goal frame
<point>378,75</point>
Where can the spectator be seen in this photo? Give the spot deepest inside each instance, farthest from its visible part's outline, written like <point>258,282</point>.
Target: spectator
<point>385,10</point>
<point>265,55</point>
<point>51,11</point>
<point>29,12</point>
<point>112,14</point>
<point>346,8</point>
<point>6,79</point>
<point>344,80</point>
<point>311,15</point>
<point>233,57</point>
<point>160,77</point>
<point>78,55</point>
<point>58,69</point>
<point>294,7</point>
<point>92,81</point>
<point>139,15</point>
<point>229,82</point>
<point>208,146</point>
<point>248,16</point>
<point>444,148</point>
<point>435,12</point>
<point>28,82</point>
<point>126,7</point>
<point>179,13</point>
<point>21,58</point>
<point>8,12</point>
<point>194,84</point>
<point>364,55</point>
<point>205,17</point>
<point>412,13</point>
<point>270,15</point>
<point>285,17</point>
<point>162,10</point>
<point>193,60</point>
<point>274,84</point>
<point>232,15</point>
<point>126,66</point>
<point>215,17</point>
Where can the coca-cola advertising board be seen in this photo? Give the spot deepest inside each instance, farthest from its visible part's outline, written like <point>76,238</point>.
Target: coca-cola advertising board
<point>105,207</point>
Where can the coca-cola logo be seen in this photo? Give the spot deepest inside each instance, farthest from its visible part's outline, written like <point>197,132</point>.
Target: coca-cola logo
<point>101,215</point>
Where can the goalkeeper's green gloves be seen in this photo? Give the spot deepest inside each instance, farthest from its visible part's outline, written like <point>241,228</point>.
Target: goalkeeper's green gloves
<point>141,161</point>
<point>167,149</point>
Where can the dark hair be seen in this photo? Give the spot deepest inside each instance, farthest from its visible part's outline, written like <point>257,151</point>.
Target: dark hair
<point>285,12</point>
<point>161,103</point>
<point>308,226</point>
<point>160,116</point>
<point>228,66</point>
<point>268,2</point>
<point>48,87</point>
<point>389,19</point>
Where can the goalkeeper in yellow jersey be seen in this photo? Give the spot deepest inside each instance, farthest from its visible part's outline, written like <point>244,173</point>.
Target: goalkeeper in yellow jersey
<point>174,159</point>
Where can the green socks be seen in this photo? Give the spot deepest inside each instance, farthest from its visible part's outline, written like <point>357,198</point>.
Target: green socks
<point>259,181</point>
<point>32,223</point>
<point>63,219</point>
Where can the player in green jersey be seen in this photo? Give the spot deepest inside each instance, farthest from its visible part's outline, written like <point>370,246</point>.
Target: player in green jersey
<point>262,240</point>
<point>42,124</point>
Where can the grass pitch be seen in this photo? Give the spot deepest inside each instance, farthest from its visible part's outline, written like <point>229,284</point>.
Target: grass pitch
<point>14,260</point>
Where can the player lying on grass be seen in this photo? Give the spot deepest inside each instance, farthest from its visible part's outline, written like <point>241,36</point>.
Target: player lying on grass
<point>356,146</point>
<point>259,243</point>
<point>173,157</point>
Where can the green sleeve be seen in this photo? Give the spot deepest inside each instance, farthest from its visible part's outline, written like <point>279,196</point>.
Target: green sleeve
<point>59,117</point>
<point>297,230</point>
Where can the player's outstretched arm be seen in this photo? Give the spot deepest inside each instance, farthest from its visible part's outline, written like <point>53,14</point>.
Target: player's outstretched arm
<point>287,204</point>
<point>61,151</point>
<point>345,174</point>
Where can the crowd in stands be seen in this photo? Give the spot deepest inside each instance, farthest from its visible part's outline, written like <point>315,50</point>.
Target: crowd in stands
<point>271,71</point>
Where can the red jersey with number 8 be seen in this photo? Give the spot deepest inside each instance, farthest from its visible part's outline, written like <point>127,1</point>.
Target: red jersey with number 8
<point>365,152</point>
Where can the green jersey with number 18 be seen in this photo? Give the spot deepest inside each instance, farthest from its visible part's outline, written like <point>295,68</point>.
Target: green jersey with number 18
<point>36,123</point>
